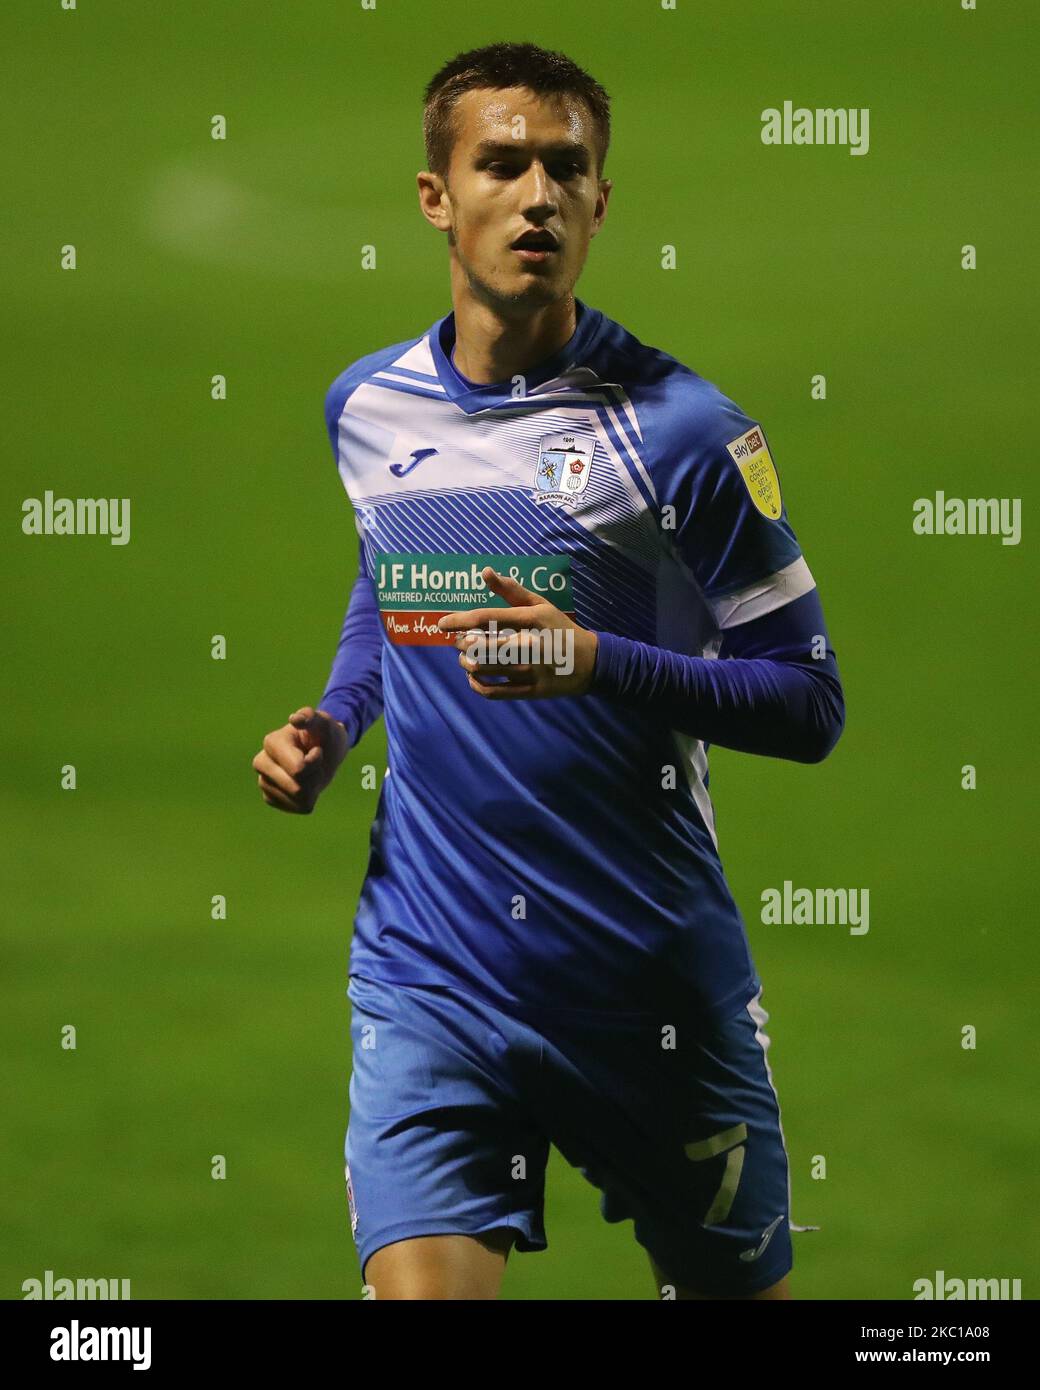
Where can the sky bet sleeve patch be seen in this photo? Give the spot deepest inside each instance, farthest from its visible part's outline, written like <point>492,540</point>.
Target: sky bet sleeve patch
<point>750,454</point>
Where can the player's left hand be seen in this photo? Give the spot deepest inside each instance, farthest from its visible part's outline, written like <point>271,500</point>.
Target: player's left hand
<point>538,649</point>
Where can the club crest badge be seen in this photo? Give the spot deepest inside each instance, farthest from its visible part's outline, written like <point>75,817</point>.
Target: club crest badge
<point>564,466</point>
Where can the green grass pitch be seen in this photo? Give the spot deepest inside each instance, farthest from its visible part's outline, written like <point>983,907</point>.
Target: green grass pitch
<point>242,257</point>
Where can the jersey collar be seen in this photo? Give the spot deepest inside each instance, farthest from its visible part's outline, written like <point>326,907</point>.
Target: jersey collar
<point>590,324</point>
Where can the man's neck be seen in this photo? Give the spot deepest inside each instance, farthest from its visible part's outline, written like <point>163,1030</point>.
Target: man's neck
<point>489,348</point>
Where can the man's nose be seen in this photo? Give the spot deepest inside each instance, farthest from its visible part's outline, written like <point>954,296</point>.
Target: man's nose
<point>537,189</point>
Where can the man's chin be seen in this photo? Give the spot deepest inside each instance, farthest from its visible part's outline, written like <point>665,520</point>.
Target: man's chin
<point>519,296</point>
<point>533,291</point>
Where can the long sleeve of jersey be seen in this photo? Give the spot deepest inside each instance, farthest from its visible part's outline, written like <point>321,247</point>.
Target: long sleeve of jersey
<point>774,688</point>
<point>765,680</point>
<point>354,690</point>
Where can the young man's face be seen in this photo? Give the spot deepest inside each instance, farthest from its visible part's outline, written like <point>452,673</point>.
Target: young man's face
<point>511,176</point>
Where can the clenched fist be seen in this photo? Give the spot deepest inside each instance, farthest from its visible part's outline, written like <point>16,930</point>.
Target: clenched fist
<point>299,760</point>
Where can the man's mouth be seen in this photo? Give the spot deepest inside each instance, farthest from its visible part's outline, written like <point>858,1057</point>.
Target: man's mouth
<point>535,246</point>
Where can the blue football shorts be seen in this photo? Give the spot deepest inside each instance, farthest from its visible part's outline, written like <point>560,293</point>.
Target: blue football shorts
<point>454,1104</point>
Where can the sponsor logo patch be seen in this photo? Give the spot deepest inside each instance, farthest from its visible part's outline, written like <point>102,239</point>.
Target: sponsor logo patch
<point>750,454</point>
<point>415,590</point>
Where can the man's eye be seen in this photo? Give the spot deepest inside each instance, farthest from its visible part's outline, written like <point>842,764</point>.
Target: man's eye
<point>501,169</point>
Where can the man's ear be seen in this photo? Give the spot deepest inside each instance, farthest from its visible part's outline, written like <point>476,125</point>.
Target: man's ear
<point>605,185</point>
<point>434,200</point>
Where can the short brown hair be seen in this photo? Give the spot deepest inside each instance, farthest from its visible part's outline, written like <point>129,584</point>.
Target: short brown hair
<point>501,65</point>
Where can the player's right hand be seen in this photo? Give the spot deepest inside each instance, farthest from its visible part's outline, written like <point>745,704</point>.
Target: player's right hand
<point>299,760</point>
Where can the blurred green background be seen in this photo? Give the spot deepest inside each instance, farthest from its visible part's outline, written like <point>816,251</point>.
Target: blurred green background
<point>242,257</point>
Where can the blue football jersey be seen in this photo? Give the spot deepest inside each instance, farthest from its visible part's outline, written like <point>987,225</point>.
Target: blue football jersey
<point>555,854</point>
